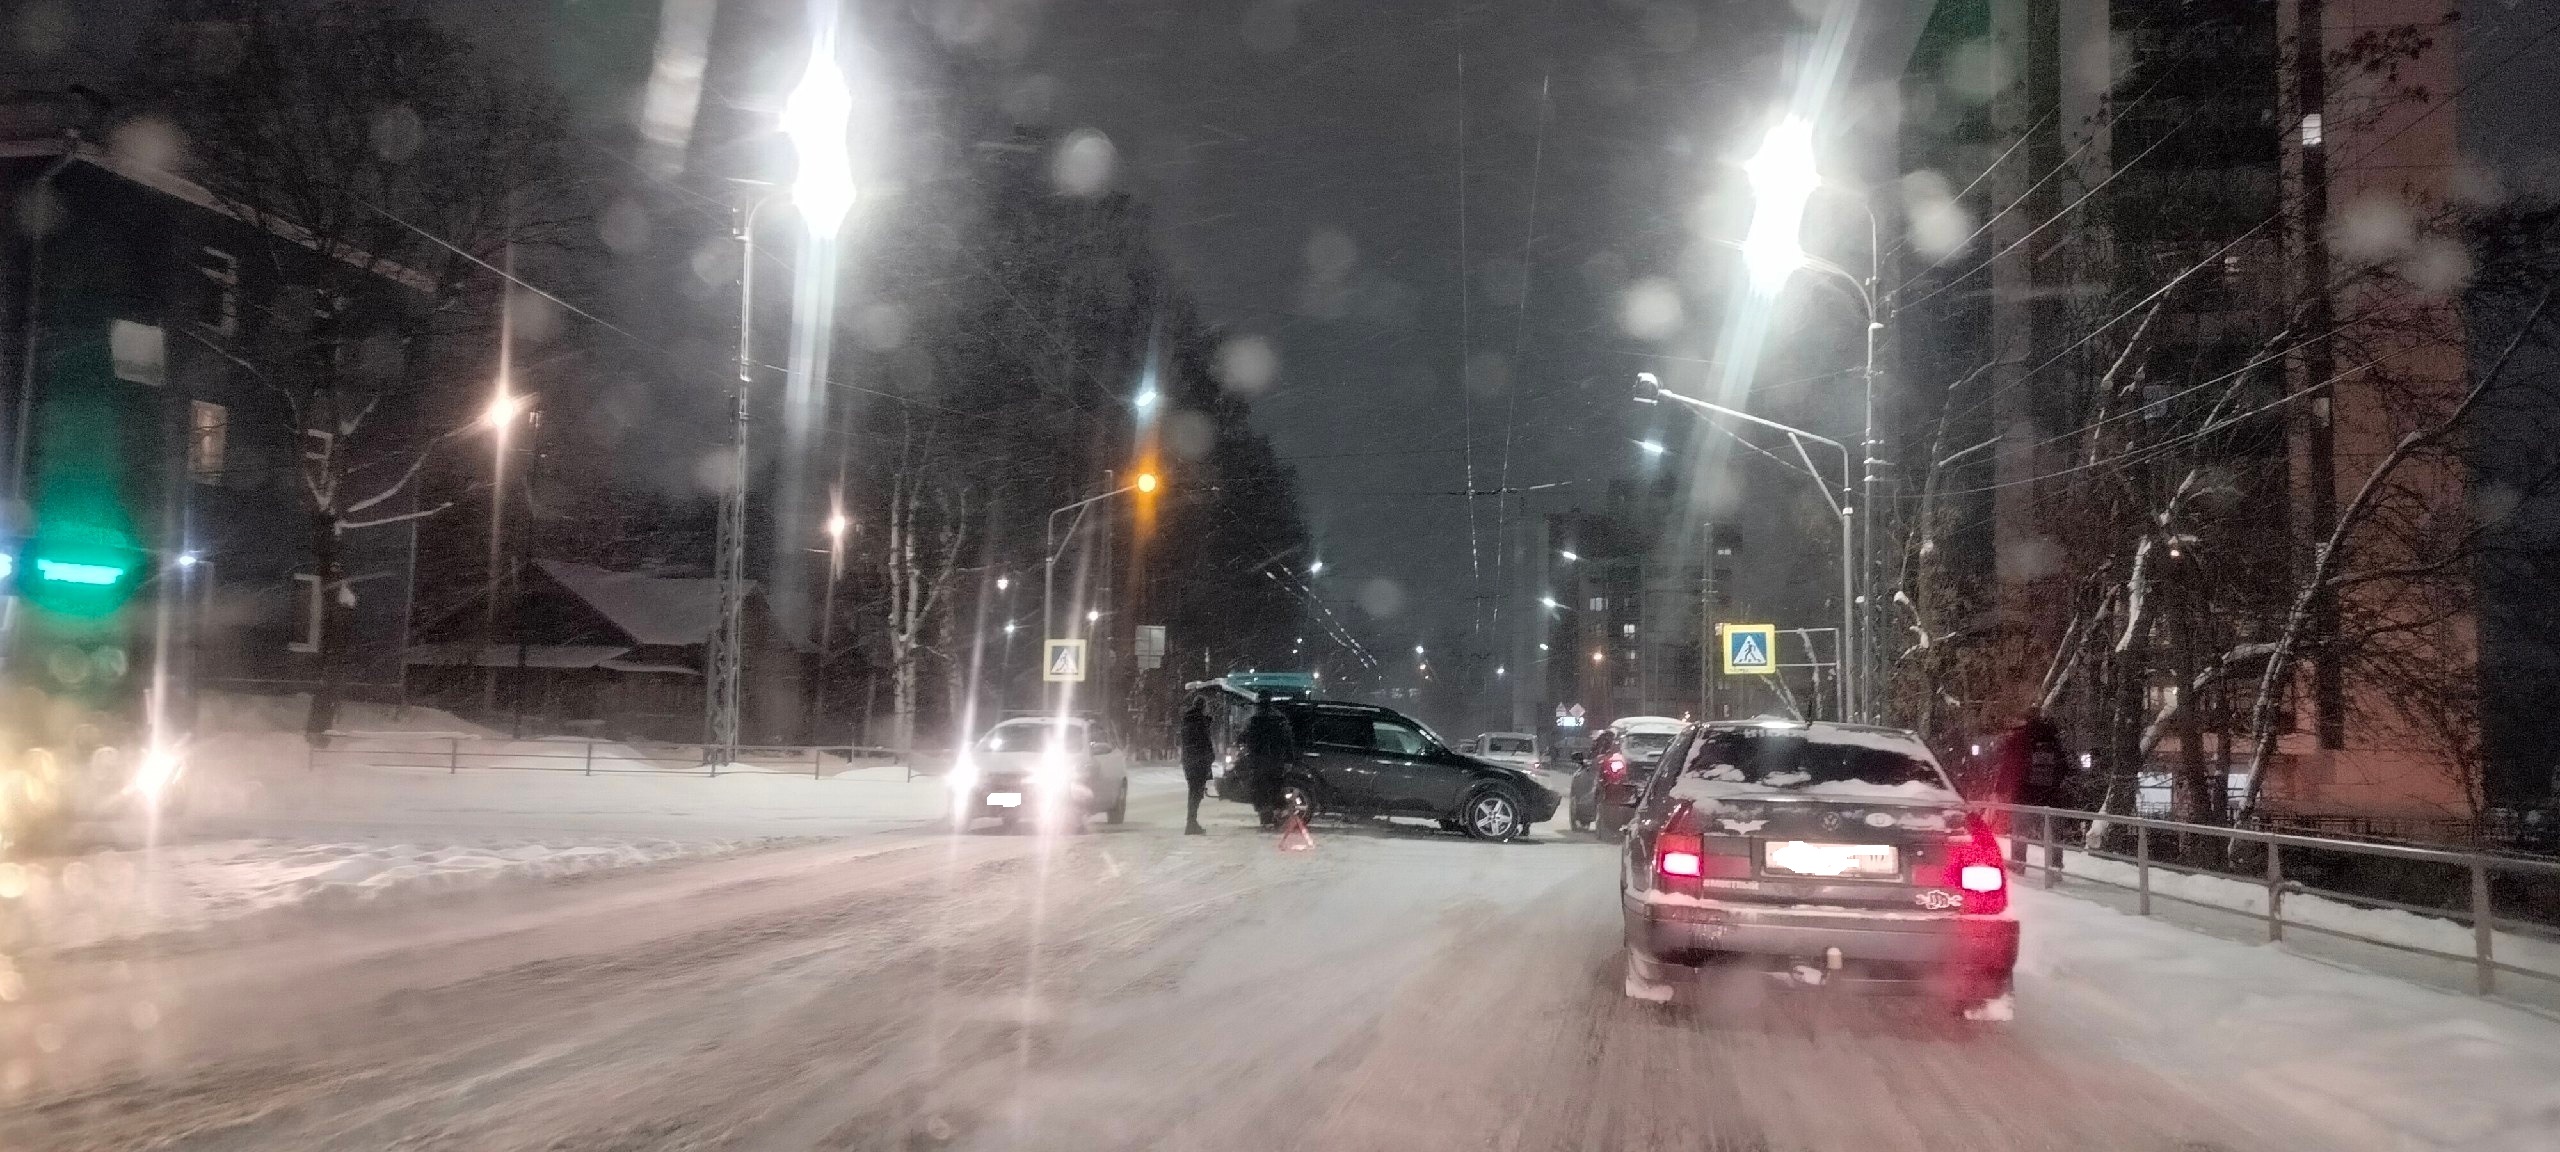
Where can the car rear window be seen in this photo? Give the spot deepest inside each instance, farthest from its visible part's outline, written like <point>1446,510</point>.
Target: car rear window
<point>1791,761</point>
<point>1509,744</point>
<point>1646,747</point>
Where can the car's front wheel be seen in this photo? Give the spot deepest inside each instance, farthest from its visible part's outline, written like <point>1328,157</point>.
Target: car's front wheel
<point>1492,814</point>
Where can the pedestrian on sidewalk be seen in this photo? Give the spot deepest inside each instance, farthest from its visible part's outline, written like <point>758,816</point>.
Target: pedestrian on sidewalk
<point>1197,752</point>
<point>1269,748</point>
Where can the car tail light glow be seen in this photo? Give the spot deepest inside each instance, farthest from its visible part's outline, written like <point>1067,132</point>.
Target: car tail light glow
<point>1975,863</point>
<point>1679,851</point>
<point>1614,768</point>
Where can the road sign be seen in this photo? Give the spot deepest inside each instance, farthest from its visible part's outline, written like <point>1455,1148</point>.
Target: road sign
<point>1064,662</point>
<point>1750,649</point>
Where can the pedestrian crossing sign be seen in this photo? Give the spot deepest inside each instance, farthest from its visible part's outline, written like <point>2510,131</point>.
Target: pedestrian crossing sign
<point>1064,663</point>
<point>1750,649</point>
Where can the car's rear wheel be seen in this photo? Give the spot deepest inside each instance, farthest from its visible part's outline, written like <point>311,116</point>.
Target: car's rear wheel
<point>1492,814</point>
<point>1298,796</point>
<point>1119,811</point>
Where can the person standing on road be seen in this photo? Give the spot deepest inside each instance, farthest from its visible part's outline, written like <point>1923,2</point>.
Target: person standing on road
<point>1269,748</point>
<point>1196,755</point>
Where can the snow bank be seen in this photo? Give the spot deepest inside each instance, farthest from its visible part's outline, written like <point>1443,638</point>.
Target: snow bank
<point>2387,924</point>
<point>2371,1061</point>
<point>50,905</point>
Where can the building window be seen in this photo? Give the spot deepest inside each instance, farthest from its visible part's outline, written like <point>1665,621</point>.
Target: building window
<point>2311,130</point>
<point>222,291</point>
<point>140,351</point>
<point>306,595</point>
<point>208,433</point>
<point>1627,630</point>
<point>1599,603</point>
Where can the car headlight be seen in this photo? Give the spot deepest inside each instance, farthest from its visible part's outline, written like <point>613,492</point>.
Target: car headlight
<point>1053,771</point>
<point>964,774</point>
<point>159,769</point>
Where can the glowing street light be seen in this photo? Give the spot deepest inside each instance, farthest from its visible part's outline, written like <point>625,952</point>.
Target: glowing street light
<point>1651,447</point>
<point>1003,582</point>
<point>1597,657</point>
<point>816,117</point>
<point>1569,555</point>
<point>1783,179</point>
<point>1551,602</point>
<point>1145,400</point>
<point>1146,481</point>
<point>836,527</point>
<point>503,408</point>
<point>1092,614</point>
<point>1315,568</point>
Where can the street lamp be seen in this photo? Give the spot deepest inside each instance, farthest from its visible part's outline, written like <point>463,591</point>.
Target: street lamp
<point>816,118</point>
<point>1050,550</point>
<point>1651,447</point>
<point>1784,177</point>
<point>1315,568</point>
<point>1569,556</point>
<point>1649,390</point>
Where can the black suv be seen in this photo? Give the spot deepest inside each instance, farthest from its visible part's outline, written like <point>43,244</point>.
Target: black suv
<point>1364,760</point>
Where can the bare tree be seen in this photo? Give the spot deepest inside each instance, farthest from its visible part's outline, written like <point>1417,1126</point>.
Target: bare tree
<point>361,133</point>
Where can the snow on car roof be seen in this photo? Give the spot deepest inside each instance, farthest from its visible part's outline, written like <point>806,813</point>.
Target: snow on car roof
<point>1647,724</point>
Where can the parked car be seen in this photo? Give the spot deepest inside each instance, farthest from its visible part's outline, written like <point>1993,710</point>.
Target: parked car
<point>1520,750</point>
<point>1614,771</point>
<point>1364,760</point>
<point>1044,767</point>
<point>1817,853</point>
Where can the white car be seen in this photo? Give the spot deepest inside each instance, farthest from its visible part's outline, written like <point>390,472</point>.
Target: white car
<point>1041,768</point>
<point>1520,750</point>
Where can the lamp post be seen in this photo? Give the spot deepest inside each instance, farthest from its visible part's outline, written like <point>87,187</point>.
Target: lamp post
<point>1050,550</point>
<point>837,525</point>
<point>815,118</point>
<point>1783,179</point>
<point>1649,390</point>
<point>500,417</point>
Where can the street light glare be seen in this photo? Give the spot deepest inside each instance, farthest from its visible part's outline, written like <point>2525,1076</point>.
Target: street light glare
<point>1145,400</point>
<point>1550,602</point>
<point>1783,178</point>
<point>1651,447</point>
<point>1003,582</point>
<point>1570,555</point>
<point>502,409</point>
<point>1146,481</point>
<point>1092,614</point>
<point>1316,568</point>
<point>837,524</point>
<point>816,117</point>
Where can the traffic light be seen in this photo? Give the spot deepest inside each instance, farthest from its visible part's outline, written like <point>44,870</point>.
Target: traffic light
<point>75,578</point>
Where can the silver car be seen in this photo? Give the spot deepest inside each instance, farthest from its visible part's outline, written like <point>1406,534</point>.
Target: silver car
<point>1046,769</point>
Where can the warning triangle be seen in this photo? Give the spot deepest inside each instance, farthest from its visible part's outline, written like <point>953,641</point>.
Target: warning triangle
<point>1747,650</point>
<point>1294,836</point>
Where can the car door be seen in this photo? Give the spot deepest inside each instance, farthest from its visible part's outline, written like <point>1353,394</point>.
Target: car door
<point>1334,746</point>
<point>1413,777</point>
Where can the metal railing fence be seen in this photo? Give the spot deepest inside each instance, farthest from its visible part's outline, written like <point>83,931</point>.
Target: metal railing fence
<point>2054,827</point>
<point>582,755</point>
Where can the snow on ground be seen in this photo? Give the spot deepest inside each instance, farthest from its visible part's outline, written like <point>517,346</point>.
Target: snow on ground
<point>2371,1061</point>
<point>119,894</point>
<point>268,829</point>
<point>2388,924</point>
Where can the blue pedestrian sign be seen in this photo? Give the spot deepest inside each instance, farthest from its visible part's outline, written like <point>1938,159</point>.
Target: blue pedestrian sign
<point>1750,649</point>
<point>1063,662</point>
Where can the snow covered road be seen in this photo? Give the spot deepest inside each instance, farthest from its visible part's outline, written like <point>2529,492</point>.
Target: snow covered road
<point>1134,988</point>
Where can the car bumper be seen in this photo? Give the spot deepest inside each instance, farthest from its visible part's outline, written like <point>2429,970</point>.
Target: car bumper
<point>1965,955</point>
<point>1541,807</point>
<point>1035,797</point>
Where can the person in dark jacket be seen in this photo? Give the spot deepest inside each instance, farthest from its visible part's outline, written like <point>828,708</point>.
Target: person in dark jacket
<point>1269,747</point>
<point>1197,752</point>
<point>2027,768</point>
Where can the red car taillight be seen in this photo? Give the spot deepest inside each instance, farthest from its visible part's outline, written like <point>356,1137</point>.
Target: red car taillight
<point>1974,863</point>
<point>1614,768</point>
<point>1679,850</point>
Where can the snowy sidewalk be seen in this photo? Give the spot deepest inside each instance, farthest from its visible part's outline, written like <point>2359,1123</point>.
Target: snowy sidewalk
<point>2375,1061</point>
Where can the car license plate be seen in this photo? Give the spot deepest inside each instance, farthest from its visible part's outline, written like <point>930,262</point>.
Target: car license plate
<point>1004,799</point>
<point>1857,861</point>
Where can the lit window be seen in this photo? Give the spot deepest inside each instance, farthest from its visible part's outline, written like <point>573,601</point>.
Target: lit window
<point>1599,603</point>
<point>2311,130</point>
<point>306,592</point>
<point>1626,629</point>
<point>208,433</point>
<point>140,352</point>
